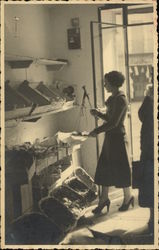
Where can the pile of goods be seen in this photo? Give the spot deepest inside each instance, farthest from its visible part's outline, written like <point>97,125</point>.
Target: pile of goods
<point>70,198</point>
<point>14,99</point>
<point>57,208</point>
<point>67,202</point>
<point>58,213</point>
<point>66,90</point>
<point>85,178</point>
<point>38,96</point>
<point>77,185</point>
<point>26,89</point>
<point>52,95</point>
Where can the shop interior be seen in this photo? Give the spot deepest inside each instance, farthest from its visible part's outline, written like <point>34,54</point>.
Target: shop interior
<point>55,58</point>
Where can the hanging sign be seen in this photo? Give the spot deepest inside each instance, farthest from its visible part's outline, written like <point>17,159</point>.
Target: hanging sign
<point>74,39</point>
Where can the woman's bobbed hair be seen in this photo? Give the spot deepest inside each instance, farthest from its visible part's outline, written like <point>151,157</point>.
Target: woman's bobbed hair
<point>115,78</point>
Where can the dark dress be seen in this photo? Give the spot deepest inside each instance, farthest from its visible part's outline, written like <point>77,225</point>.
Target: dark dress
<point>113,168</point>
<point>146,189</point>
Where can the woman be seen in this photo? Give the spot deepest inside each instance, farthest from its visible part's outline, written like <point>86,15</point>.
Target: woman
<point>113,168</point>
<point>146,189</point>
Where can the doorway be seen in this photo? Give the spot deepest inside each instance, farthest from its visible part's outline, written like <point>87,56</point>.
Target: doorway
<point>122,40</point>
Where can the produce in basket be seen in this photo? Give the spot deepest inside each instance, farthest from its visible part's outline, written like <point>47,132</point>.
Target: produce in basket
<point>58,213</point>
<point>77,185</point>
<point>85,178</point>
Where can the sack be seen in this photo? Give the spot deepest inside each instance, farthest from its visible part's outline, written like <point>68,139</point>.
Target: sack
<point>137,173</point>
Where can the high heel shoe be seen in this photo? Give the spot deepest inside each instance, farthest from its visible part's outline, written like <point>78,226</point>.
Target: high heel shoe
<point>125,207</point>
<point>99,208</point>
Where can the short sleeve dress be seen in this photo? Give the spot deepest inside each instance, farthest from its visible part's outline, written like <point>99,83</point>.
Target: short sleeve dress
<point>113,167</point>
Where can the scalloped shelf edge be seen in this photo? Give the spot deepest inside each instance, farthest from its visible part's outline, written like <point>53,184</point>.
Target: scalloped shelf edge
<point>16,62</point>
<point>21,113</point>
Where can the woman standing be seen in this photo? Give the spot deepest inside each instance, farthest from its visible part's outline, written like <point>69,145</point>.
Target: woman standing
<point>113,168</point>
<point>146,189</point>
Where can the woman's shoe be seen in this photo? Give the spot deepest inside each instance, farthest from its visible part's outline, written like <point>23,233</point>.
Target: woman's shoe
<point>99,208</point>
<point>125,207</point>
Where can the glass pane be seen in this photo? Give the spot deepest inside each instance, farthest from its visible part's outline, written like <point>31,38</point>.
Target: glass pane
<point>113,54</point>
<point>114,59</point>
<point>114,16</point>
<point>98,71</point>
<point>140,14</point>
<point>140,40</point>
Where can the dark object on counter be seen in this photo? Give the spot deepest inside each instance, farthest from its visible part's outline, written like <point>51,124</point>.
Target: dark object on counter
<point>69,93</point>
<point>58,213</point>
<point>13,99</point>
<point>48,92</point>
<point>77,185</point>
<point>33,228</point>
<point>32,94</point>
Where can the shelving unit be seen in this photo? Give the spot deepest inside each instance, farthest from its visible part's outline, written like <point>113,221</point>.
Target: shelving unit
<point>54,65</point>
<point>29,113</point>
<point>21,114</point>
<point>19,62</point>
<point>16,62</point>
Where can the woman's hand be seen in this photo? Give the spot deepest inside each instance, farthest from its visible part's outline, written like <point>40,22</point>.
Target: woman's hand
<point>94,112</point>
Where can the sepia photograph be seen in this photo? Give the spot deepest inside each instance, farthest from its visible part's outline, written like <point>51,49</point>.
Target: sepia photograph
<point>79,129</point>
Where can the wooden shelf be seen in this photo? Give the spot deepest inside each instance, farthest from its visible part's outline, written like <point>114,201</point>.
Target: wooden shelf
<point>17,62</point>
<point>22,113</point>
<point>52,62</point>
<point>53,65</point>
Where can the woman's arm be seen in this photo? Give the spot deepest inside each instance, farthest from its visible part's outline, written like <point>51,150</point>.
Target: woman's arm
<point>120,107</point>
<point>98,114</point>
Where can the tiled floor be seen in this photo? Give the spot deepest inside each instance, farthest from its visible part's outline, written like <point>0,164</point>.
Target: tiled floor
<point>115,228</point>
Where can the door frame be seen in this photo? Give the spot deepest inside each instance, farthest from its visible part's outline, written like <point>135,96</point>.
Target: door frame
<point>125,26</point>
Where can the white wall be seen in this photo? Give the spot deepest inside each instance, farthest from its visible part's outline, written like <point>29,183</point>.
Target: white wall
<point>33,30</point>
<point>33,40</point>
<point>79,70</point>
<point>42,32</point>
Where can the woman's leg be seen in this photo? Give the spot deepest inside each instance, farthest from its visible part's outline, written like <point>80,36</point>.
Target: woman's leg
<point>103,201</point>
<point>104,195</point>
<point>127,194</point>
<point>128,199</point>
